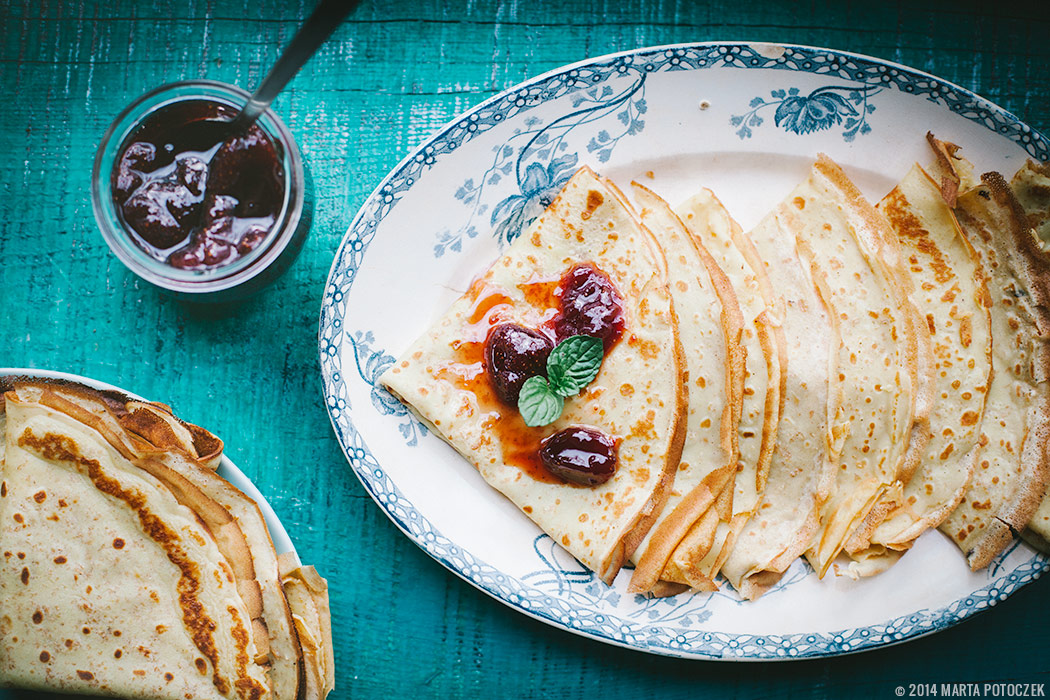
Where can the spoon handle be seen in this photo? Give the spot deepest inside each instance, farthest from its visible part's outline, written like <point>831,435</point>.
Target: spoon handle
<point>328,15</point>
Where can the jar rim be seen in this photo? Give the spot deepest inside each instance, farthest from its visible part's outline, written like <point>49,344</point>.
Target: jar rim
<point>119,238</point>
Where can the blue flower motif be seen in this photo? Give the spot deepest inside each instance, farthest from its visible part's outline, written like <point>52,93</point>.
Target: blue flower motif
<point>825,107</point>
<point>820,110</point>
<point>539,158</point>
<point>539,186</point>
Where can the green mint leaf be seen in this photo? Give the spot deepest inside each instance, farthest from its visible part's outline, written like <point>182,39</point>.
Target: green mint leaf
<point>537,404</point>
<point>574,364</point>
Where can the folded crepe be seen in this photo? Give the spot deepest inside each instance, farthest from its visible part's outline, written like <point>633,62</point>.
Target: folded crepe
<point>801,468</point>
<point>130,568</point>
<point>637,398</point>
<point>1013,470</point>
<point>763,345</point>
<point>710,326</point>
<point>876,367</point>
<point>951,290</point>
<point>1031,185</point>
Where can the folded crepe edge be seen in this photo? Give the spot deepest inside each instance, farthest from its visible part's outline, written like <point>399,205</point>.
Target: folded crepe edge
<point>307,595</point>
<point>651,510</point>
<point>932,519</point>
<point>773,345</point>
<point>675,526</point>
<point>201,444</point>
<point>1034,267</point>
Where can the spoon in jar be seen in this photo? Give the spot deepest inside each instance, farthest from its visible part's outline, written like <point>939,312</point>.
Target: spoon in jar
<point>328,15</point>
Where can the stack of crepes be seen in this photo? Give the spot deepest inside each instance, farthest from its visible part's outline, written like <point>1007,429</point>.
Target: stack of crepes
<point>130,568</point>
<point>831,384</point>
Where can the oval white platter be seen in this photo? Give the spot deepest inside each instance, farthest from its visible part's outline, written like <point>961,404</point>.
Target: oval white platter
<point>227,469</point>
<point>745,120</point>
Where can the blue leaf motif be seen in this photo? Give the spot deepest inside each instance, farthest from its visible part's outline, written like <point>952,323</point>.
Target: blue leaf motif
<point>528,157</point>
<point>370,365</point>
<point>539,186</point>
<point>560,169</point>
<point>504,209</point>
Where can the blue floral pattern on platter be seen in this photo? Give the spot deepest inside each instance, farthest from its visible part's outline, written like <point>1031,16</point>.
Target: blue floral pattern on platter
<point>536,166</point>
<point>370,364</point>
<point>821,109</point>
<point>560,591</point>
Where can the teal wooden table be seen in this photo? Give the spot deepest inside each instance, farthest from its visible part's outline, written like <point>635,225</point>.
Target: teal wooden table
<point>390,76</point>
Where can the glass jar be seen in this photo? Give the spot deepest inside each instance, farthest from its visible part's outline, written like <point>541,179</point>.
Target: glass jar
<point>225,282</point>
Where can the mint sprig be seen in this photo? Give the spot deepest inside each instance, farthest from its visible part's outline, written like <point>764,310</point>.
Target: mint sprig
<point>572,365</point>
<point>537,403</point>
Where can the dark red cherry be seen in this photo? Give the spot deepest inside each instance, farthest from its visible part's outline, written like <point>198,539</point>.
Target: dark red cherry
<point>135,159</point>
<point>590,305</point>
<point>514,353</point>
<point>581,455</point>
<point>155,210</point>
<point>251,240</point>
<point>248,168</point>
<point>192,173</point>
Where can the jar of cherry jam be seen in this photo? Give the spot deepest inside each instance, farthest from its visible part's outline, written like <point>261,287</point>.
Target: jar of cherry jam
<point>193,207</point>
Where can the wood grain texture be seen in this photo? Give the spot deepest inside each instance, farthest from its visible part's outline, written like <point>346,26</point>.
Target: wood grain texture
<point>390,76</point>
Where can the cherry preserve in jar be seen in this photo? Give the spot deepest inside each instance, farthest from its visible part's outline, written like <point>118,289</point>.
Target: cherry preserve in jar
<point>193,207</point>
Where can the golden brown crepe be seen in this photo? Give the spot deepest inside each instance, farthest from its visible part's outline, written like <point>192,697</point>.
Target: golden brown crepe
<point>800,471</point>
<point>762,343</point>
<point>710,326</point>
<point>853,376</point>
<point>637,398</point>
<point>950,288</point>
<point>1031,186</point>
<point>120,519</point>
<point>1013,469</point>
<point>851,250</point>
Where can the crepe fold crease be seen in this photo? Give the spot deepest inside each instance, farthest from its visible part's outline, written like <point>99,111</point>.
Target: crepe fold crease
<point>131,568</point>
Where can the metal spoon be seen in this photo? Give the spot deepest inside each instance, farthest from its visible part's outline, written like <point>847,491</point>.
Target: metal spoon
<point>328,15</point>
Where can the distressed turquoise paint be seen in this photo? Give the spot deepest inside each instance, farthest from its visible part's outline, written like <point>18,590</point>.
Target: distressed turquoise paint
<point>394,73</point>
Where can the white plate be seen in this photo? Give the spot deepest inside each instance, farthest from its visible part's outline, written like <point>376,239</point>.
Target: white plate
<point>227,469</point>
<point>745,120</point>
